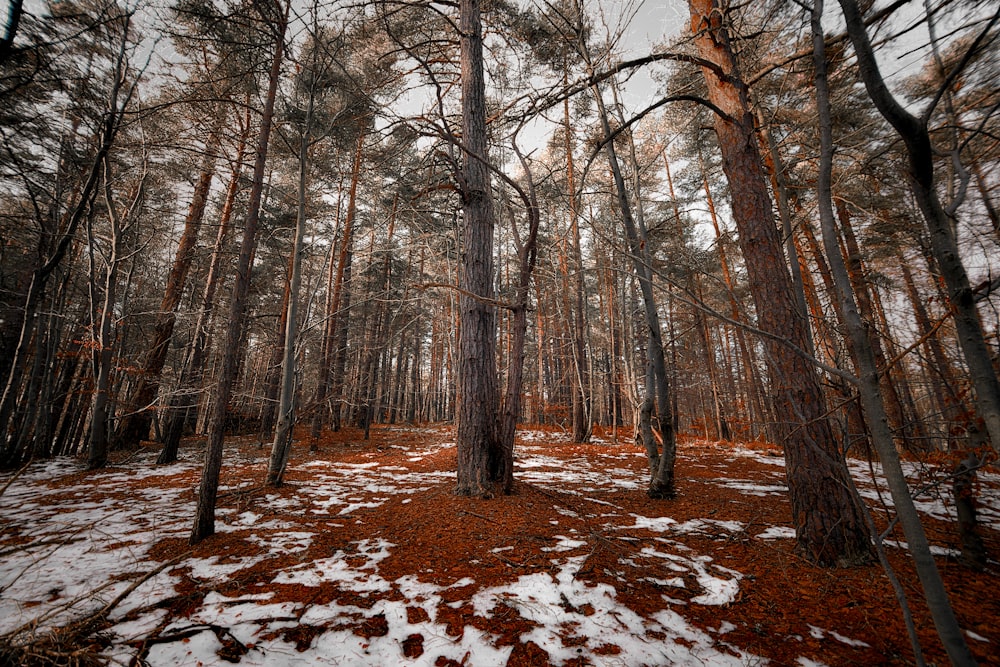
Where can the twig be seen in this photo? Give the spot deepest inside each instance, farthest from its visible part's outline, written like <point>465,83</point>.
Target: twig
<point>39,543</point>
<point>484,518</point>
<point>14,477</point>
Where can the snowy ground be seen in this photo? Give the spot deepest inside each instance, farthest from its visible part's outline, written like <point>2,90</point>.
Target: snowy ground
<point>71,546</point>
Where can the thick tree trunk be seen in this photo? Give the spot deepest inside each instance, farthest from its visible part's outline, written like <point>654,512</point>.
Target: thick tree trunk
<point>204,523</point>
<point>479,456</point>
<point>776,170</point>
<point>963,489</point>
<point>829,526</point>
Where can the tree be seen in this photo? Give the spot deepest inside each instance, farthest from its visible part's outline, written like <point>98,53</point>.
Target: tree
<point>276,17</point>
<point>913,130</point>
<point>868,376</point>
<point>829,525</point>
<point>134,426</point>
<point>56,206</point>
<point>527,255</point>
<point>661,462</point>
<point>480,460</point>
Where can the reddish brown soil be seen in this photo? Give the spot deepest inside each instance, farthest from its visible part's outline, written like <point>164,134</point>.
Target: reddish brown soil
<point>447,538</point>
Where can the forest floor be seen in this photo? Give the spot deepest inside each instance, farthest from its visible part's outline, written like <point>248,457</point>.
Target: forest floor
<point>365,557</point>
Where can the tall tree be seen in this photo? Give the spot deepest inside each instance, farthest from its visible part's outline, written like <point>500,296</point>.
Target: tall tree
<point>61,199</point>
<point>184,402</point>
<point>275,17</point>
<point>134,426</point>
<point>829,525</point>
<point>479,456</point>
<point>104,302</point>
<point>868,375</point>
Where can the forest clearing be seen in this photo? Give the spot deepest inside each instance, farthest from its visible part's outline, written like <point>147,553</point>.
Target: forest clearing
<point>251,249</point>
<point>366,557</point>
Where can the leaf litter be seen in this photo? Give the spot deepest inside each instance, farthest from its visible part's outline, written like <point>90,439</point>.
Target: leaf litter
<point>365,557</point>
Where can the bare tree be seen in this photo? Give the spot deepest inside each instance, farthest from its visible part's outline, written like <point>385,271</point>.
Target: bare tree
<point>479,455</point>
<point>276,17</point>
<point>913,130</point>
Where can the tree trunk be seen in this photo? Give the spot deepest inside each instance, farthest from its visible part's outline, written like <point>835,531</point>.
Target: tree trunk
<point>661,484</point>
<point>526,256</point>
<point>776,169</point>
<point>185,401</point>
<point>829,525</point>
<point>341,305</point>
<point>868,374</point>
<point>952,406</point>
<point>282,445</point>
<point>855,270</point>
<point>479,455</point>
<point>204,523</point>
<point>581,403</point>
<point>103,316</point>
<point>9,456</point>
<point>974,554</point>
<point>754,386</point>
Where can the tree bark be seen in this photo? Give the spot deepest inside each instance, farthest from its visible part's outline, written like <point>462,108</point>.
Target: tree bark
<point>135,426</point>
<point>829,525</point>
<point>479,456</point>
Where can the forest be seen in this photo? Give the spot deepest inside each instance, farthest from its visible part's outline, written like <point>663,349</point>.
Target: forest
<point>483,332</point>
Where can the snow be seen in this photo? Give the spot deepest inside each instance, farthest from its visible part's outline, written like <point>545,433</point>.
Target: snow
<point>80,543</point>
<point>819,633</point>
<point>776,533</point>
